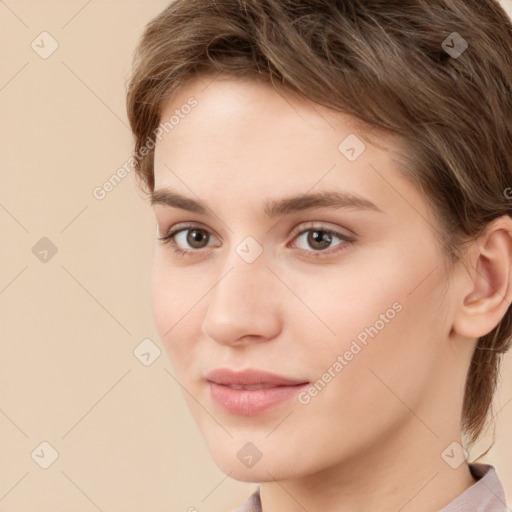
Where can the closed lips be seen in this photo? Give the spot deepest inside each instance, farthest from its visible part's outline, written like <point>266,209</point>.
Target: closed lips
<point>249,379</point>
<point>256,386</point>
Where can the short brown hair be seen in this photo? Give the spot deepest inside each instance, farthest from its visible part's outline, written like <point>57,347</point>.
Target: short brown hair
<point>386,62</point>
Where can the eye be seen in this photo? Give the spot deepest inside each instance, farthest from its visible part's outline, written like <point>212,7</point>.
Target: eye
<point>187,237</point>
<point>316,239</point>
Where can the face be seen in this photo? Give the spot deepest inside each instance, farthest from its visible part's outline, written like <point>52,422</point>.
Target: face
<point>343,291</point>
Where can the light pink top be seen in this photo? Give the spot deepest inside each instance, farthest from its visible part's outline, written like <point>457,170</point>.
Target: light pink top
<point>485,495</point>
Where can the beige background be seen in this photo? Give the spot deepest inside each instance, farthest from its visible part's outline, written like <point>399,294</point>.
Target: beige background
<point>124,437</point>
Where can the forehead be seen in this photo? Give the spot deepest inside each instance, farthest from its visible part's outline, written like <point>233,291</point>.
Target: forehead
<point>244,137</point>
<point>224,95</point>
<point>231,114</point>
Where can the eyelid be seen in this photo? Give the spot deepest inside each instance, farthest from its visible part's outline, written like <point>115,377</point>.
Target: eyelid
<point>323,226</point>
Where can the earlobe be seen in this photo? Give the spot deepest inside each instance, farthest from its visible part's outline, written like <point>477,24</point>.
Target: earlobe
<point>489,279</point>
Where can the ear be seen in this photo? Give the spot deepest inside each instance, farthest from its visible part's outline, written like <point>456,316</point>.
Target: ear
<point>486,289</point>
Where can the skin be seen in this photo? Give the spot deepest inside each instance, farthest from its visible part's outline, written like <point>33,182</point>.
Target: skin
<point>372,439</point>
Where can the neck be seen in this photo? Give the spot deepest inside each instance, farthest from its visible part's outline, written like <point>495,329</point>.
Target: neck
<point>406,473</point>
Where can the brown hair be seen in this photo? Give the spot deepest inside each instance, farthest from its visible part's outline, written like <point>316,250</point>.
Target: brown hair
<point>386,62</point>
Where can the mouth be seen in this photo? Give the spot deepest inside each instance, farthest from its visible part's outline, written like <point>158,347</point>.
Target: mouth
<point>256,386</point>
<point>250,400</point>
<point>249,378</point>
<point>251,391</point>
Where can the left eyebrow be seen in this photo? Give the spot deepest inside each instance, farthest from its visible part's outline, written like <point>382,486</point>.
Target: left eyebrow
<point>273,207</point>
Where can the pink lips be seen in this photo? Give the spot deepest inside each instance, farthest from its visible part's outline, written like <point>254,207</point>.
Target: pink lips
<point>272,390</point>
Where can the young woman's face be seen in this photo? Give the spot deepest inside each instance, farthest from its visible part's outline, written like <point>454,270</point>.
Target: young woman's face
<point>348,296</point>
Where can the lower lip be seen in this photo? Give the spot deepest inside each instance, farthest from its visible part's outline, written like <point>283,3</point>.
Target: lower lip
<point>248,402</point>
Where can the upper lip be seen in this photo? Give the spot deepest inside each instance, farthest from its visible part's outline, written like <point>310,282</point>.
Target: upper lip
<point>249,377</point>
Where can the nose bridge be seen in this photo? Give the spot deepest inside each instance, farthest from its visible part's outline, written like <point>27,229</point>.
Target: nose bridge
<point>243,302</point>
<point>245,273</point>
<point>243,285</point>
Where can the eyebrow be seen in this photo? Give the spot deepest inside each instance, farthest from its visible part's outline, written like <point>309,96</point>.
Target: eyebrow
<point>273,207</point>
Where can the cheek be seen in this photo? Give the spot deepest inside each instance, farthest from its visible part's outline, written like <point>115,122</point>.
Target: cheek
<point>387,346</point>
<point>345,301</point>
<point>163,297</point>
<point>174,304</point>
<point>380,311</point>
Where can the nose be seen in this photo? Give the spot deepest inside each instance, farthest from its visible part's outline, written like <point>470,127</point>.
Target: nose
<point>245,305</point>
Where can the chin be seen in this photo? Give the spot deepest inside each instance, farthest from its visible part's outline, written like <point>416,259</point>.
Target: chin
<point>247,465</point>
<point>261,472</point>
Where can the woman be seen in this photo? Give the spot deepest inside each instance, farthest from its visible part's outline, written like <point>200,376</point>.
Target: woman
<point>332,275</point>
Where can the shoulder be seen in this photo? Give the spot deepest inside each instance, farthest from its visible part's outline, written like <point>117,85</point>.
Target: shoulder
<point>485,495</point>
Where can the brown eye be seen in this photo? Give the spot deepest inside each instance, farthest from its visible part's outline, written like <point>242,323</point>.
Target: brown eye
<point>318,239</point>
<point>196,237</point>
<point>188,240</point>
<point>321,242</point>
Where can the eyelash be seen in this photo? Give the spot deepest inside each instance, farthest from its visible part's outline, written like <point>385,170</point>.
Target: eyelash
<point>169,239</point>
